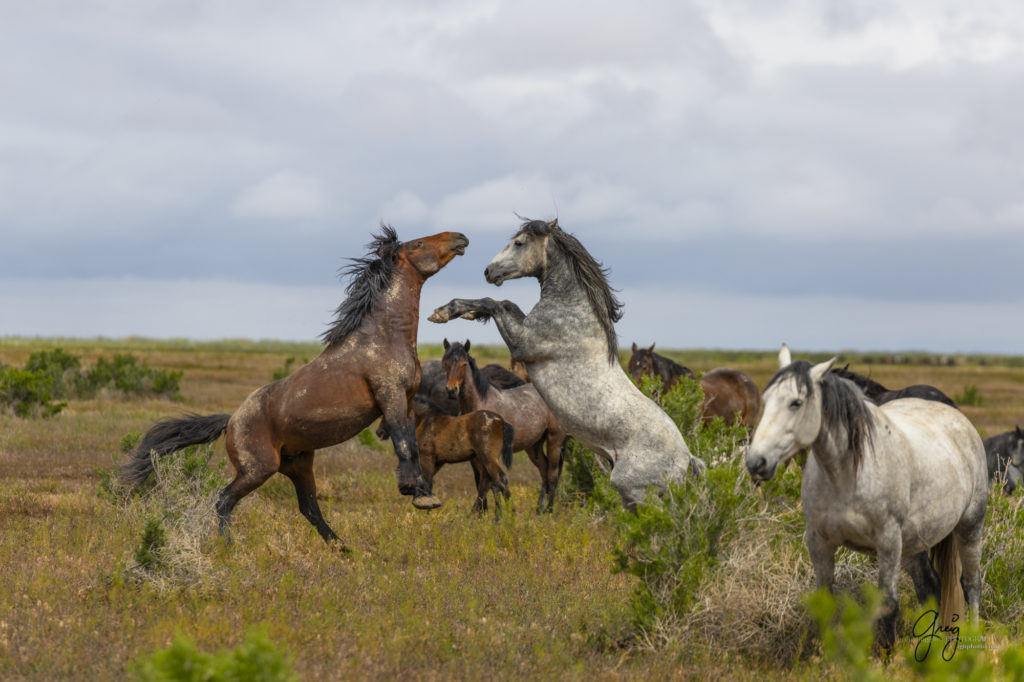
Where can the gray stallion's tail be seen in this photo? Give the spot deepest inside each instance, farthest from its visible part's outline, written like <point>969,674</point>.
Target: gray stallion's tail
<point>167,436</point>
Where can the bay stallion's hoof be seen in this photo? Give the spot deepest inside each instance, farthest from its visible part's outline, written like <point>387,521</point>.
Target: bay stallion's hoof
<point>426,502</point>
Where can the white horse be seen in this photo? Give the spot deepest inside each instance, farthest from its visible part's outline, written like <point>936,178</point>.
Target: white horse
<point>568,345</point>
<point>891,481</point>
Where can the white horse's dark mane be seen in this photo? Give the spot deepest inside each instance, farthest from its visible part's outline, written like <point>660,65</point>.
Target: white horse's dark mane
<point>842,406</point>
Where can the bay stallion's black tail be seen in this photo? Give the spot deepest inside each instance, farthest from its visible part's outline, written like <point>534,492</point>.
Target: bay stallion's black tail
<point>167,436</point>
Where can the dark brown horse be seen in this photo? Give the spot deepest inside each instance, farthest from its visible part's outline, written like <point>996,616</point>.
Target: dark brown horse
<point>727,392</point>
<point>368,369</point>
<point>521,406</point>
<point>434,386</point>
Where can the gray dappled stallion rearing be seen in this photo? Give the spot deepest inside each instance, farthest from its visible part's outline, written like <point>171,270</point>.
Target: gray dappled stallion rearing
<point>568,345</point>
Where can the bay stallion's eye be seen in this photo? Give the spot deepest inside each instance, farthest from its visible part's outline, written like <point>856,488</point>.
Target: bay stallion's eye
<point>419,245</point>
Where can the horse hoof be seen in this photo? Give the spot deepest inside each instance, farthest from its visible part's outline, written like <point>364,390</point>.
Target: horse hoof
<point>439,315</point>
<point>426,502</point>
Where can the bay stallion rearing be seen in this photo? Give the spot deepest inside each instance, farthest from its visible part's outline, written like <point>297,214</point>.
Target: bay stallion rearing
<point>368,369</point>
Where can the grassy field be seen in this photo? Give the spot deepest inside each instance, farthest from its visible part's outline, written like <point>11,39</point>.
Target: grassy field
<point>424,595</point>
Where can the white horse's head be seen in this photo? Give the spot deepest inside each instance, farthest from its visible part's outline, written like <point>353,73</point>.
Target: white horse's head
<point>791,419</point>
<point>525,256</point>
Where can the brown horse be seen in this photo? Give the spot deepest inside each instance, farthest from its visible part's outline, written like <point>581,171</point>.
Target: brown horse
<point>368,369</point>
<point>521,406</point>
<point>727,392</point>
<point>481,438</point>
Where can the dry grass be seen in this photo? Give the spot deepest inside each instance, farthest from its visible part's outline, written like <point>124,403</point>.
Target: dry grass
<point>437,595</point>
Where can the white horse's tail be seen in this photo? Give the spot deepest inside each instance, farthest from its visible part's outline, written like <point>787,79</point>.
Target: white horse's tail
<point>946,560</point>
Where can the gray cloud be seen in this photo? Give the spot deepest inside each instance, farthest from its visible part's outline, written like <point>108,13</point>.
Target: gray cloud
<point>866,154</point>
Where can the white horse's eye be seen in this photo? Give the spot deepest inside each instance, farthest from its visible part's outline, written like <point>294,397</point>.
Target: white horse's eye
<point>517,243</point>
<point>796,404</point>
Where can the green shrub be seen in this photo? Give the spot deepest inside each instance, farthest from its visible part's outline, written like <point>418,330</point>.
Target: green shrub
<point>970,397</point>
<point>1003,560</point>
<point>847,630</point>
<point>149,552</point>
<point>28,393</point>
<point>126,374</point>
<point>585,481</point>
<point>56,374</point>
<point>673,542</point>
<point>256,659</point>
<point>54,366</point>
<point>282,372</point>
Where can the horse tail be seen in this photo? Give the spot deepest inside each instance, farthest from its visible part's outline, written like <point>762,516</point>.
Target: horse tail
<point>946,560</point>
<point>507,438</point>
<point>167,436</point>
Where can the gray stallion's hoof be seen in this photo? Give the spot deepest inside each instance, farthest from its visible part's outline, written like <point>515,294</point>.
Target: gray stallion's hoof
<point>439,315</point>
<point>426,502</point>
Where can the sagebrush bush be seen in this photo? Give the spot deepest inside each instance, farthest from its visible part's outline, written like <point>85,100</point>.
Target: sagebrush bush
<point>256,659</point>
<point>56,374</point>
<point>674,540</point>
<point>175,506</point>
<point>1002,558</point>
<point>28,393</point>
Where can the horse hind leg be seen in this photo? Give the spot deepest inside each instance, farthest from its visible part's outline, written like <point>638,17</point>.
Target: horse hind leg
<point>299,468</point>
<point>926,580</point>
<point>253,466</point>
<point>555,448</point>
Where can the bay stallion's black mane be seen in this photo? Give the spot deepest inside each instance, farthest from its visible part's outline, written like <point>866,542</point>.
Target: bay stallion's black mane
<point>371,276</point>
<point>842,404</point>
<point>591,276</point>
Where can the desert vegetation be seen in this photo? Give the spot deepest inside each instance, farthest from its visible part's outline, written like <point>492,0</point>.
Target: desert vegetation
<point>710,581</point>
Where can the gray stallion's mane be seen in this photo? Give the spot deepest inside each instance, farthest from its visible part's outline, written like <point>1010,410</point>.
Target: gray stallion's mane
<point>590,275</point>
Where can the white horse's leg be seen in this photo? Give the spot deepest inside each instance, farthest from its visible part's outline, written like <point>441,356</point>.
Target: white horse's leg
<point>889,548</point>
<point>823,558</point>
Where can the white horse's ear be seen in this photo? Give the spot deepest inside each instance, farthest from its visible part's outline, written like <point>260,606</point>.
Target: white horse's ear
<point>785,358</point>
<point>553,224</point>
<point>819,371</point>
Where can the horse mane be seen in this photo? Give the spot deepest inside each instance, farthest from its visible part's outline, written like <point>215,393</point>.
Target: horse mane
<point>671,365</point>
<point>371,276</point>
<point>591,275</point>
<point>842,404</point>
<point>871,388</point>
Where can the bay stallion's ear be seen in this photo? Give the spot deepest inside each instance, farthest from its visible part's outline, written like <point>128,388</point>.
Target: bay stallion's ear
<point>467,345</point>
<point>651,349</point>
<point>553,224</point>
<point>634,350</point>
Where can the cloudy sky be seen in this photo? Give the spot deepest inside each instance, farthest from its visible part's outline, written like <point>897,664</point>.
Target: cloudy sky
<point>835,175</point>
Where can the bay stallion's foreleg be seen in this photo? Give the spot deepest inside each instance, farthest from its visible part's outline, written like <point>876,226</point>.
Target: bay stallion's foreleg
<point>507,317</point>
<point>400,423</point>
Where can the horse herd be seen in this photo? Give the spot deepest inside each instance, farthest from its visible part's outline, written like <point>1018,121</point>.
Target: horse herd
<point>900,475</point>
